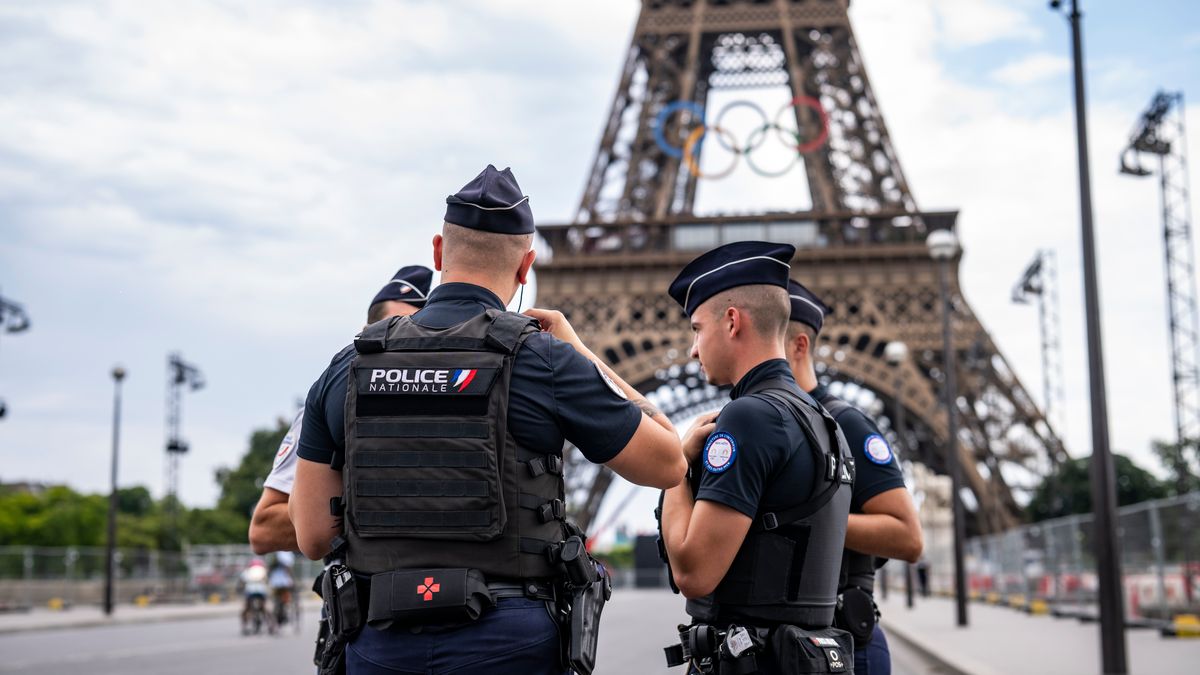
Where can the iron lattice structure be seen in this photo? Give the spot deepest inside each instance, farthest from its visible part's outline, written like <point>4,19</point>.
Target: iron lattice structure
<point>1040,281</point>
<point>861,246</point>
<point>180,374</point>
<point>1161,133</point>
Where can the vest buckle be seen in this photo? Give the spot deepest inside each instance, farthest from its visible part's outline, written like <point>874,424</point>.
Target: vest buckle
<point>552,510</point>
<point>770,521</point>
<point>537,467</point>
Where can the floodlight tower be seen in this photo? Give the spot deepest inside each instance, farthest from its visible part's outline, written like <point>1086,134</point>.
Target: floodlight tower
<point>1040,281</point>
<point>179,374</point>
<point>13,319</point>
<point>1161,132</point>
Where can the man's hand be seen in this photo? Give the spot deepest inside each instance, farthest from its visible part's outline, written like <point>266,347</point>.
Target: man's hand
<point>697,435</point>
<point>554,323</point>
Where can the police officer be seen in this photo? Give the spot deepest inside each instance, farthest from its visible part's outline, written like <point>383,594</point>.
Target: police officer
<point>883,521</point>
<point>438,438</point>
<point>270,527</point>
<point>758,544</point>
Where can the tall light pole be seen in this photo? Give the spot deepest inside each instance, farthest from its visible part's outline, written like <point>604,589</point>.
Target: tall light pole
<point>943,247</point>
<point>896,353</point>
<point>1103,473</point>
<point>118,374</point>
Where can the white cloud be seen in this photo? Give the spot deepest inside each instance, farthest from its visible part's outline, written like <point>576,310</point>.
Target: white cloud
<point>1031,69</point>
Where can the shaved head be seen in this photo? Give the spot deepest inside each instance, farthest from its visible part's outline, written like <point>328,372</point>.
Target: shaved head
<point>482,253</point>
<point>767,306</point>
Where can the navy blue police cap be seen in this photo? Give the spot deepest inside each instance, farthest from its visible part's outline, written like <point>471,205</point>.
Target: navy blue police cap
<point>807,308</point>
<point>742,263</point>
<point>410,284</point>
<point>492,202</point>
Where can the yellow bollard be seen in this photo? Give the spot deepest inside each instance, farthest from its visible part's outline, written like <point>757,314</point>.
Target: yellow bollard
<point>993,598</point>
<point>142,601</point>
<point>55,604</point>
<point>214,599</point>
<point>1184,626</point>
<point>1039,607</point>
<point>1016,601</point>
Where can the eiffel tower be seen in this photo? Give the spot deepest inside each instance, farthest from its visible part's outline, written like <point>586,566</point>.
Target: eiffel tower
<point>861,245</point>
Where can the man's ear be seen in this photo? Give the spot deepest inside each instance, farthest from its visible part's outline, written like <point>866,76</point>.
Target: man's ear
<point>526,264</point>
<point>735,317</point>
<point>801,344</point>
<point>437,252</point>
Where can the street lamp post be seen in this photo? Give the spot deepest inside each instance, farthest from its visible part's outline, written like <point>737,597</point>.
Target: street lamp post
<point>1103,472</point>
<point>118,374</point>
<point>896,353</point>
<point>943,247</point>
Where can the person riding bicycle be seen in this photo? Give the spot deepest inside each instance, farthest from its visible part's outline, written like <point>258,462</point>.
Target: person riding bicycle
<point>253,582</point>
<point>282,584</point>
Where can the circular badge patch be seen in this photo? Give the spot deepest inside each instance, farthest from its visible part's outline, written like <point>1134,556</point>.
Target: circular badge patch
<point>284,448</point>
<point>720,452</point>
<point>608,381</point>
<point>877,449</point>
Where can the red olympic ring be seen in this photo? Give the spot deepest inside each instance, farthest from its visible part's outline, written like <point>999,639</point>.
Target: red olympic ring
<point>814,104</point>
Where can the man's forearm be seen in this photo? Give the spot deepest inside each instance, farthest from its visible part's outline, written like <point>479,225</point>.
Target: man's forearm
<point>678,505</point>
<point>882,535</point>
<point>271,529</point>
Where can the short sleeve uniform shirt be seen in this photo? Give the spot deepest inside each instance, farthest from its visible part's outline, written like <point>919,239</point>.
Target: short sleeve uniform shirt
<point>555,393</point>
<point>758,458</point>
<point>877,469</point>
<point>283,471</point>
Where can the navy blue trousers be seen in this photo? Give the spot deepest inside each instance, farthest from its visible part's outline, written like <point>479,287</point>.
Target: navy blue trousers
<point>875,659</point>
<point>517,637</point>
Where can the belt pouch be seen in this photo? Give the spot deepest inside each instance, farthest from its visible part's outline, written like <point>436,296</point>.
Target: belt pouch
<point>856,614</point>
<point>796,650</point>
<point>429,596</point>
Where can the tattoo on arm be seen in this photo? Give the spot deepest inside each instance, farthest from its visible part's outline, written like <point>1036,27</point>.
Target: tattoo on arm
<point>646,407</point>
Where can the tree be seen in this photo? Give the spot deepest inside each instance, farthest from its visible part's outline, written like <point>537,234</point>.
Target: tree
<point>1069,491</point>
<point>1175,459</point>
<point>241,487</point>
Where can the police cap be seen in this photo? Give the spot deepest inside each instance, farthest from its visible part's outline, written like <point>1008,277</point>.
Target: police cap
<point>492,202</point>
<point>410,284</point>
<point>807,308</point>
<point>741,263</point>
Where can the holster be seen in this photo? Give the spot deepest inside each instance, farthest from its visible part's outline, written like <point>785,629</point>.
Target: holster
<point>585,588</point>
<point>342,621</point>
<point>428,596</point>
<point>856,614</point>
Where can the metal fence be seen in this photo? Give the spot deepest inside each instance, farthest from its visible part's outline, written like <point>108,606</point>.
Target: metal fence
<point>1053,560</point>
<point>65,577</point>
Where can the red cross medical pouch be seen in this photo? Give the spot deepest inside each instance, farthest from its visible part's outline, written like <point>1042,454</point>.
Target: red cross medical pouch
<point>427,596</point>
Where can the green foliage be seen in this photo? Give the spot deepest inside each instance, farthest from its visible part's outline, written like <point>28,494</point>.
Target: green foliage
<point>59,516</point>
<point>242,486</point>
<point>1177,459</point>
<point>1068,492</point>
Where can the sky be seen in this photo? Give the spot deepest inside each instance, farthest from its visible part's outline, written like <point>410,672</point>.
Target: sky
<point>234,181</point>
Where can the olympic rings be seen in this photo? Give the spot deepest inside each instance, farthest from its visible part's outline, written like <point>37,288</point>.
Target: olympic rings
<point>689,151</point>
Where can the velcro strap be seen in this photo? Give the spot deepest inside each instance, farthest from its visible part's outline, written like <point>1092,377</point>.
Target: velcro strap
<point>543,464</point>
<point>436,344</point>
<point>507,328</point>
<point>441,519</point>
<point>555,509</point>
<point>373,338</point>
<point>534,546</point>
<point>421,488</point>
<point>428,429</point>
<point>427,458</point>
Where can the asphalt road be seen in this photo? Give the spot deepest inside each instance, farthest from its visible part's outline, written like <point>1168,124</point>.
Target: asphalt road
<point>637,625</point>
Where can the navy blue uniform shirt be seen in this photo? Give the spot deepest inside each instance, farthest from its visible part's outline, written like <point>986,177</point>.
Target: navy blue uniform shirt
<point>555,393</point>
<point>757,459</point>
<point>876,468</point>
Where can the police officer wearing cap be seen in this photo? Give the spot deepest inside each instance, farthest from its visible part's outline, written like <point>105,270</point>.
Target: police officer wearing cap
<point>883,522</point>
<point>755,538</point>
<point>270,527</point>
<point>432,449</point>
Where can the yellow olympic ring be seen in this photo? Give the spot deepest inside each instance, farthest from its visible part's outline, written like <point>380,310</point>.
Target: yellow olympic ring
<point>693,163</point>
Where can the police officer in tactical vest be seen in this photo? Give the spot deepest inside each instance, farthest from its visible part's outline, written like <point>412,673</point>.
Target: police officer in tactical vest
<point>883,522</point>
<point>754,539</point>
<point>430,463</point>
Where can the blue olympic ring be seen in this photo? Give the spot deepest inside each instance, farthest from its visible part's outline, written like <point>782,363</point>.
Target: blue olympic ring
<point>660,124</point>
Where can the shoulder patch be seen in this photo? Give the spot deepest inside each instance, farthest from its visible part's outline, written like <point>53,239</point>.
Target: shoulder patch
<point>608,381</point>
<point>877,450</point>
<point>285,448</point>
<point>720,452</point>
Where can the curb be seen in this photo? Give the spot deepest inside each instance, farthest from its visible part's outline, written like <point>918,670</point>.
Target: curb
<point>127,620</point>
<point>929,653</point>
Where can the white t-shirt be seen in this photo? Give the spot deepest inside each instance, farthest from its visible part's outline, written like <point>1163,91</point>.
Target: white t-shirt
<point>283,472</point>
<point>254,580</point>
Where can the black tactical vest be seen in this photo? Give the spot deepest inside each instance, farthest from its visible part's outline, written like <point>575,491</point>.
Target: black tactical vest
<point>858,569</point>
<point>786,571</point>
<point>432,477</point>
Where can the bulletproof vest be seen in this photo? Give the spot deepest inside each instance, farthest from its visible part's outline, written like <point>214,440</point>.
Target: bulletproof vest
<point>432,476</point>
<point>858,569</point>
<point>786,571</point>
